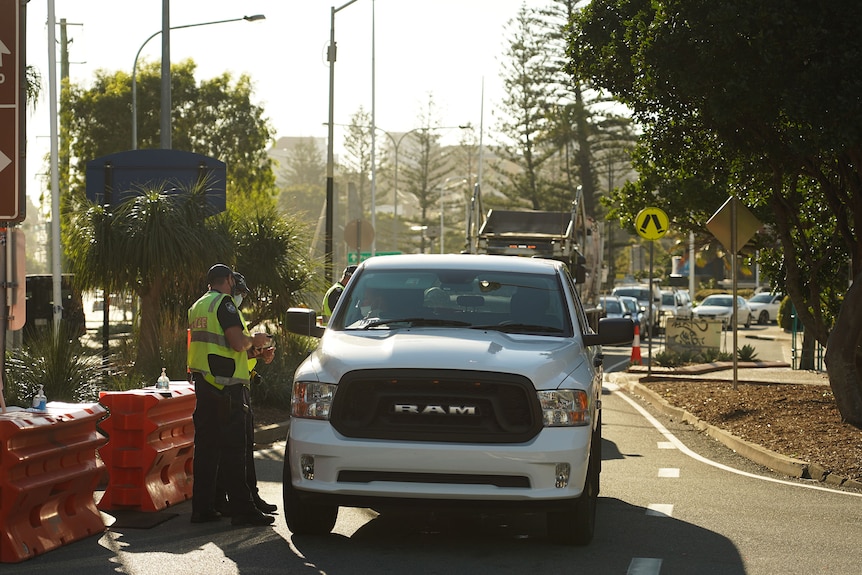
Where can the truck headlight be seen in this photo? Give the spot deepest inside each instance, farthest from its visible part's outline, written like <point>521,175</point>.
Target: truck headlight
<point>311,399</point>
<point>565,408</point>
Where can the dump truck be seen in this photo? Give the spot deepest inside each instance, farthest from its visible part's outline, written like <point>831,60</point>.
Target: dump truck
<point>567,236</point>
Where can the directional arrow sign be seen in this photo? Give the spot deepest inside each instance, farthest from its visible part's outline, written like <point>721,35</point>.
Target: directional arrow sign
<point>12,206</point>
<point>652,223</point>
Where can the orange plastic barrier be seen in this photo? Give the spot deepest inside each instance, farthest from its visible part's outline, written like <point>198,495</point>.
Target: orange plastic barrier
<point>150,447</point>
<point>48,473</point>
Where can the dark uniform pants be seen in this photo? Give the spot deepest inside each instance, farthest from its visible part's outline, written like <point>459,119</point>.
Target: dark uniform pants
<point>220,444</point>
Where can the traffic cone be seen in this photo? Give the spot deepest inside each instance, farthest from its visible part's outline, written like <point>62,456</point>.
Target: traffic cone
<point>636,347</point>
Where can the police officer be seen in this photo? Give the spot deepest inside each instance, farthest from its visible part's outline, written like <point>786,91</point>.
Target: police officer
<point>330,298</point>
<point>218,364</point>
<point>266,355</point>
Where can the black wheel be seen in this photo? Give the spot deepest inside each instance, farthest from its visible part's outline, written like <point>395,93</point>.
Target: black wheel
<point>305,518</point>
<point>763,318</point>
<point>576,525</point>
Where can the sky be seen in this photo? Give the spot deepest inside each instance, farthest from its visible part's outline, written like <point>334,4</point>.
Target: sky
<point>449,49</point>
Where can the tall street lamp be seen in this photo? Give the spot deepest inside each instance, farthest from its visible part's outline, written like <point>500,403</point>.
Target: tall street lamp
<point>135,66</point>
<point>330,150</point>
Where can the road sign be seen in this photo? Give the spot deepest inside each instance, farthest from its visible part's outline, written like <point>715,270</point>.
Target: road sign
<point>359,234</point>
<point>721,223</point>
<point>651,223</point>
<point>12,206</point>
<point>353,260</point>
<point>116,178</point>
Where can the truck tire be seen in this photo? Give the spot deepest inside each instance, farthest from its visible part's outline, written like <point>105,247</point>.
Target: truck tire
<point>305,518</point>
<point>576,524</point>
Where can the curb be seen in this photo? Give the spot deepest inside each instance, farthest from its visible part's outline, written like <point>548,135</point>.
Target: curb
<point>775,461</point>
<point>267,434</point>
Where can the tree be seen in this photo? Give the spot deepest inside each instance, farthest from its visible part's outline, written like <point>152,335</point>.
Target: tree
<point>523,114</point>
<point>143,246</point>
<point>425,167</point>
<point>357,159</point>
<point>215,118</point>
<point>751,98</point>
<point>303,193</point>
<point>159,244</point>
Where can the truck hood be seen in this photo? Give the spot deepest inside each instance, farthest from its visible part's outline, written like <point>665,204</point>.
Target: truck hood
<point>546,361</point>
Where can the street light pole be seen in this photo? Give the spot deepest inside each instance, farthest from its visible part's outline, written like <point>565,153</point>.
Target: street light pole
<point>135,67</point>
<point>330,150</point>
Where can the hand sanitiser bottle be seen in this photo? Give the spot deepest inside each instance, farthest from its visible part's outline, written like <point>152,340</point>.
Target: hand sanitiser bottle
<point>39,400</point>
<point>164,381</point>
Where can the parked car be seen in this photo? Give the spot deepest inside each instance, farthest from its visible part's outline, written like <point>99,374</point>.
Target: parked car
<point>611,306</point>
<point>720,307</point>
<point>638,315</point>
<point>675,303</point>
<point>642,293</point>
<point>764,307</point>
<point>450,380</point>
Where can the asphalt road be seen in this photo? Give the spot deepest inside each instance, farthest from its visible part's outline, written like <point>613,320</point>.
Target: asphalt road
<point>672,501</point>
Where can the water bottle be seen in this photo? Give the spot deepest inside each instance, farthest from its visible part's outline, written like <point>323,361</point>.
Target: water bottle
<point>39,400</point>
<point>164,381</point>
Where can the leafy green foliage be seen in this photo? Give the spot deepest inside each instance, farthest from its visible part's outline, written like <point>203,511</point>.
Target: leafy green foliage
<point>745,98</point>
<point>57,361</point>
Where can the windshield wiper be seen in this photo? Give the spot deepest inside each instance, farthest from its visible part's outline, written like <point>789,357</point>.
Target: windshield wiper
<point>519,327</point>
<point>419,321</point>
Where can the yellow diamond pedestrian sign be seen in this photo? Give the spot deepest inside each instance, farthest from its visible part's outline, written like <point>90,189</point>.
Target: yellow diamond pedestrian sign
<point>651,223</point>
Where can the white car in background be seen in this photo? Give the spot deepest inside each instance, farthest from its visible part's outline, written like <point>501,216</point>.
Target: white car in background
<point>720,307</point>
<point>638,314</point>
<point>764,307</point>
<point>675,303</point>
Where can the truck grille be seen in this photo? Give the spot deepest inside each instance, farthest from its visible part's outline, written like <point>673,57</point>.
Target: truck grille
<point>436,405</point>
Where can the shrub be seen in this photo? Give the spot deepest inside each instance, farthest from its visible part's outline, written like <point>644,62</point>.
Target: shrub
<point>65,368</point>
<point>746,353</point>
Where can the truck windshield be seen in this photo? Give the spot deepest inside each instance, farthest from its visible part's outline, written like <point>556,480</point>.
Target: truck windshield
<point>514,302</point>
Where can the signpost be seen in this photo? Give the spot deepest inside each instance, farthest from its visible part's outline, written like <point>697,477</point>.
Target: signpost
<point>651,224</point>
<point>12,194</point>
<point>733,225</point>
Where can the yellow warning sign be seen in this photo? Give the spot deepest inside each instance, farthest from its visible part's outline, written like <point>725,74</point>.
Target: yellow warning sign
<point>651,223</point>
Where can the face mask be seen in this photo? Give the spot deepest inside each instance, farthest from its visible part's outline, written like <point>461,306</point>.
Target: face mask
<point>237,299</point>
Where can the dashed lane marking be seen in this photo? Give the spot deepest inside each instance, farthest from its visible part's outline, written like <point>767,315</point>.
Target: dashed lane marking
<point>644,566</point>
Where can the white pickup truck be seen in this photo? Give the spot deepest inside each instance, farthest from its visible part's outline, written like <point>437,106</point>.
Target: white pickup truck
<point>470,381</point>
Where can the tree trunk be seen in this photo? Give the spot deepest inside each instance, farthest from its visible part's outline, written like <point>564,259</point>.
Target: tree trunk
<point>148,360</point>
<point>843,359</point>
<point>806,361</point>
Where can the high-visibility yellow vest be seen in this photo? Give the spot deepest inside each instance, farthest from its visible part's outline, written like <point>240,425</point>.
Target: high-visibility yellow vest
<point>208,338</point>
<point>326,309</point>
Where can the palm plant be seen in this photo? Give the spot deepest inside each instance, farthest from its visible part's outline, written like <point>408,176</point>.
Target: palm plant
<point>159,242</point>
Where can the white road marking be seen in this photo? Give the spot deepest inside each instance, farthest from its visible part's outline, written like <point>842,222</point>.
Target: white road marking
<point>668,472</point>
<point>681,446</point>
<point>644,566</point>
<point>665,445</point>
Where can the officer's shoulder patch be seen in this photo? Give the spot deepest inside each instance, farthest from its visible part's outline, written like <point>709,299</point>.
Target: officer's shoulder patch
<point>230,307</point>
